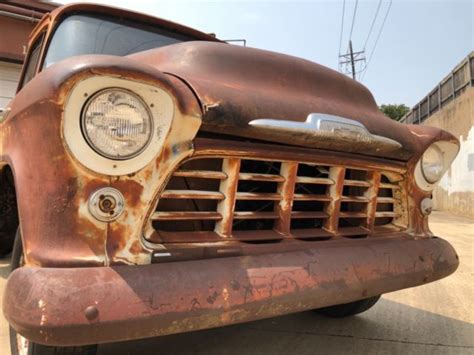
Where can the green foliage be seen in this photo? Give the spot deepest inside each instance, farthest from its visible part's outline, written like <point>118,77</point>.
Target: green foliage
<point>395,112</point>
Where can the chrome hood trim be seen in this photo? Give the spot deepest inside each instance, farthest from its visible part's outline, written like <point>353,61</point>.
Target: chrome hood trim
<point>327,127</point>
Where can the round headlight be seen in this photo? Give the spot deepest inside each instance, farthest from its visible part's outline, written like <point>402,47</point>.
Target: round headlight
<point>433,164</point>
<point>117,124</point>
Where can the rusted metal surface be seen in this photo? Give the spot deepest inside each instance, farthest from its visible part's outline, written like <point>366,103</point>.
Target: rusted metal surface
<point>94,305</point>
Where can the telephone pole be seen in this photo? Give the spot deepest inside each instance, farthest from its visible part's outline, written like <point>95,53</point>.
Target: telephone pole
<point>351,58</point>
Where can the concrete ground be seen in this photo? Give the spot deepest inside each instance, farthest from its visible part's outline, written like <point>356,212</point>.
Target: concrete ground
<point>437,318</point>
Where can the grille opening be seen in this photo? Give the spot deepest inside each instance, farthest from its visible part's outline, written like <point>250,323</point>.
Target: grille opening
<point>383,192</point>
<point>187,205</point>
<point>180,183</point>
<point>257,186</point>
<point>308,206</point>
<point>356,206</point>
<point>354,190</point>
<point>384,179</point>
<point>260,167</point>
<point>354,174</point>
<point>384,207</point>
<point>252,224</point>
<point>211,164</point>
<point>351,222</point>
<point>312,189</point>
<point>316,171</point>
<point>184,226</point>
<point>253,206</point>
<point>307,223</point>
<point>383,221</point>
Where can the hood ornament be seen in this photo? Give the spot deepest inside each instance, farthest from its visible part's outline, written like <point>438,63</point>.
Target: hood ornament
<point>327,127</point>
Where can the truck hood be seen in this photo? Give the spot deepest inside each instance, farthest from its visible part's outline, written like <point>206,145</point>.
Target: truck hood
<point>237,85</point>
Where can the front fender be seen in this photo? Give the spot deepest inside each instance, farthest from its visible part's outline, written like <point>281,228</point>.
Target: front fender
<point>53,187</point>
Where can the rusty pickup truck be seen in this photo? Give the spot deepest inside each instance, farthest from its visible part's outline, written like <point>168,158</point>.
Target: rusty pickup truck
<point>158,180</point>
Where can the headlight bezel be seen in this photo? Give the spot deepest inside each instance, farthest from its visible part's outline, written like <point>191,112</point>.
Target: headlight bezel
<point>448,151</point>
<point>158,101</point>
<point>430,176</point>
<point>88,138</point>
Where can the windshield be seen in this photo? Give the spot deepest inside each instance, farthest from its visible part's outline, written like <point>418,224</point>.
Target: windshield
<point>80,34</point>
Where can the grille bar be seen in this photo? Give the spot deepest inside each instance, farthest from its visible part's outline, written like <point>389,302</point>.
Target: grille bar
<point>180,216</point>
<point>228,188</point>
<point>201,174</point>
<point>193,194</point>
<point>261,177</point>
<point>336,174</point>
<point>286,189</point>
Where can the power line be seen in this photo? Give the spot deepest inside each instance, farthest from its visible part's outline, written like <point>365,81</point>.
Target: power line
<point>377,40</point>
<point>342,27</point>
<point>373,23</point>
<point>353,19</point>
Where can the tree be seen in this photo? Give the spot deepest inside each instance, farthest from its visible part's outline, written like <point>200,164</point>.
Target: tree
<point>395,112</point>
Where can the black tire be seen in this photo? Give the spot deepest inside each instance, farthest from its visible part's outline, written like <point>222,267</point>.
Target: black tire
<point>8,211</point>
<point>348,309</point>
<point>33,348</point>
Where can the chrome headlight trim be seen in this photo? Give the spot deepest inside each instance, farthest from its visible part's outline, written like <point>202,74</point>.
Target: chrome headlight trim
<point>159,103</point>
<point>448,151</point>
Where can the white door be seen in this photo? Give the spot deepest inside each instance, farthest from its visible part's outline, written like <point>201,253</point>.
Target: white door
<point>9,77</point>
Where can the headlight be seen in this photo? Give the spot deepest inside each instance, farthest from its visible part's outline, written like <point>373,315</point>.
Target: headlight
<point>117,124</point>
<point>432,164</point>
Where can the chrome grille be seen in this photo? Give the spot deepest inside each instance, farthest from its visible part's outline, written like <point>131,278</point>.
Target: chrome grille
<point>247,199</point>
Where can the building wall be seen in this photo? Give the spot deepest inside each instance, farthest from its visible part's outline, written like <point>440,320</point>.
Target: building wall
<point>455,191</point>
<point>17,19</point>
<point>13,44</point>
<point>9,76</point>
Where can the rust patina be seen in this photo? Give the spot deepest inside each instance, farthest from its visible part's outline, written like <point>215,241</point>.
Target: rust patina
<point>86,281</point>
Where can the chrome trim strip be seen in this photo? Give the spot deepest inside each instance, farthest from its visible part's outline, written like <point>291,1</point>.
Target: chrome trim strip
<point>320,125</point>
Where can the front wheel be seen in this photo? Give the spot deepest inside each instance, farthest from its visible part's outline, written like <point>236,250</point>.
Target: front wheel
<point>19,345</point>
<point>348,309</point>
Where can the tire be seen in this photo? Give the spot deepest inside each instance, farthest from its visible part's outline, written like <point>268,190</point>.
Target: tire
<point>22,346</point>
<point>348,309</point>
<point>8,212</point>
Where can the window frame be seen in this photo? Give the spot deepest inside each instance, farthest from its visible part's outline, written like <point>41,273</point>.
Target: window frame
<point>37,44</point>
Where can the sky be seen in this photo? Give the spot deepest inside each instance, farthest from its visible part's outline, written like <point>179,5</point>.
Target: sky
<point>419,44</point>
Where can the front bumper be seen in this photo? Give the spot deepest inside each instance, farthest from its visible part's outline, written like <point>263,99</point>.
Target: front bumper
<point>75,306</point>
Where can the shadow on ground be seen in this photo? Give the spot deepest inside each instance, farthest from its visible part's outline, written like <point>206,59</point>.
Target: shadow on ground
<point>390,328</point>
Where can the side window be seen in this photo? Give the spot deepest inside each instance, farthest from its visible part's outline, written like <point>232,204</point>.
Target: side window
<point>32,60</point>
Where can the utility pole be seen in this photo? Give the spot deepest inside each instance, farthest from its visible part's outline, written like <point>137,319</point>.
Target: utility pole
<point>351,58</point>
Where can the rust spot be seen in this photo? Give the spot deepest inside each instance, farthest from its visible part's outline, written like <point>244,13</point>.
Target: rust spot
<point>136,247</point>
<point>235,285</point>
<point>92,186</point>
<point>131,190</point>
<point>211,299</point>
